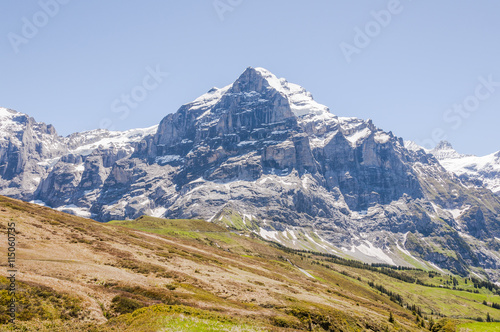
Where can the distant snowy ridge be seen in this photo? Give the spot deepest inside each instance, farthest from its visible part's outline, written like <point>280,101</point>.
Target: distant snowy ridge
<point>86,142</point>
<point>485,170</point>
<point>81,143</point>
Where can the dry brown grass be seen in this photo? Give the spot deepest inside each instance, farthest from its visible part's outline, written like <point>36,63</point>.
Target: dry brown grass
<point>98,262</point>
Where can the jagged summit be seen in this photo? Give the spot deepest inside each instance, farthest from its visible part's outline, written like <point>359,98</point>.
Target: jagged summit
<point>8,123</point>
<point>260,82</point>
<point>444,150</point>
<point>257,111</point>
<point>5,112</point>
<point>301,101</point>
<point>256,100</point>
<point>443,145</point>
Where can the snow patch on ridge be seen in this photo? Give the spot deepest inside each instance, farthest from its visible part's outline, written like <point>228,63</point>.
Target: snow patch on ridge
<point>39,202</point>
<point>269,235</point>
<point>168,159</point>
<point>86,142</point>
<point>158,212</point>
<point>75,210</point>
<point>301,101</point>
<point>370,250</point>
<point>412,146</point>
<point>381,137</point>
<point>359,136</point>
<point>207,100</point>
<point>476,167</point>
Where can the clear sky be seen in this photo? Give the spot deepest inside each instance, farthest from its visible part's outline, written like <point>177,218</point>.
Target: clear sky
<point>424,70</point>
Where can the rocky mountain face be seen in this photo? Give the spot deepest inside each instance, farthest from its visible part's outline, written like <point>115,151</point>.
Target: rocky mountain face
<point>24,146</point>
<point>37,164</point>
<point>261,155</point>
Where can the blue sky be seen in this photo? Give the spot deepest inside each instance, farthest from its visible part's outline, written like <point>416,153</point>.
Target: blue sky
<point>424,70</point>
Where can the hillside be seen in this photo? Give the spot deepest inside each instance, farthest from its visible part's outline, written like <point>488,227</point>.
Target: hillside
<point>263,155</point>
<point>190,275</point>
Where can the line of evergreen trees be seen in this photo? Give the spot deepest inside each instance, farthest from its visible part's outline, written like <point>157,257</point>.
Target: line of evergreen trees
<point>397,298</point>
<point>493,305</point>
<point>395,271</point>
<point>486,284</point>
<point>394,297</point>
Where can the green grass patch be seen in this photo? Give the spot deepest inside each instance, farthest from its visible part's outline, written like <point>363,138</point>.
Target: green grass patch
<point>179,318</point>
<point>190,229</point>
<point>479,327</point>
<point>152,223</point>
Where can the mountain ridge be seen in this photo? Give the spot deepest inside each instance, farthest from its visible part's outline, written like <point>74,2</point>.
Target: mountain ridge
<point>280,165</point>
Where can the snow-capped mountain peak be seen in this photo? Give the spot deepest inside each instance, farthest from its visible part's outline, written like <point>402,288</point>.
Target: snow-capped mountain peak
<point>444,145</point>
<point>11,121</point>
<point>258,79</point>
<point>6,113</point>
<point>444,150</point>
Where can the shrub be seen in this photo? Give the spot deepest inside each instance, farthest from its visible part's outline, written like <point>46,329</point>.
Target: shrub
<point>125,305</point>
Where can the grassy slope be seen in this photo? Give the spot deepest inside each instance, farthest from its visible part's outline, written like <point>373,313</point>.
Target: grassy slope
<point>479,327</point>
<point>194,275</point>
